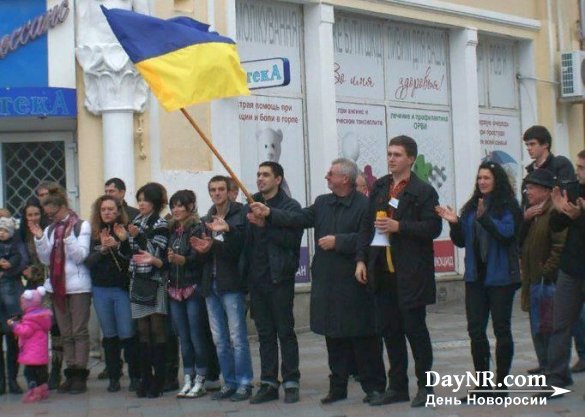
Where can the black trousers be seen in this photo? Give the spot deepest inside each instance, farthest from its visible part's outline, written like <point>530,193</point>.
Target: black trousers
<point>367,352</point>
<point>36,375</point>
<point>396,327</point>
<point>272,310</point>
<point>480,301</point>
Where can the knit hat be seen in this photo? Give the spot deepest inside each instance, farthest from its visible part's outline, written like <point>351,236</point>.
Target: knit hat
<point>7,223</point>
<point>32,298</point>
<point>542,177</point>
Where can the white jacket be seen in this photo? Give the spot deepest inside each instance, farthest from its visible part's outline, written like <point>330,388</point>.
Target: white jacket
<point>77,278</point>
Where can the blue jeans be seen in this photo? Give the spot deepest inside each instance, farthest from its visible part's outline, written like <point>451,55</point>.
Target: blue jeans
<point>188,316</point>
<point>227,319</point>
<point>579,335</point>
<point>112,305</point>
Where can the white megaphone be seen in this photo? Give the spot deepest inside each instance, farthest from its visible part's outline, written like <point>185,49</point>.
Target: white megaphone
<point>380,239</point>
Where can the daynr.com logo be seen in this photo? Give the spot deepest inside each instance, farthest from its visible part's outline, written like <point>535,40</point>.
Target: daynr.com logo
<point>482,388</point>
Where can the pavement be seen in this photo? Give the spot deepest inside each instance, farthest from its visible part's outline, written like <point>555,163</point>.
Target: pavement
<point>451,356</point>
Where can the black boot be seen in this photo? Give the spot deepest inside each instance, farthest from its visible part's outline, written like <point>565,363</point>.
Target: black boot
<point>2,368</point>
<point>66,385</point>
<point>172,364</point>
<point>160,372</point>
<point>12,364</point>
<point>112,353</point>
<point>145,370</point>
<point>131,356</point>
<point>79,384</point>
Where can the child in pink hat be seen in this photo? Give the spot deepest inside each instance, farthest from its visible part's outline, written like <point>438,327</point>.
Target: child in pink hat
<point>32,331</point>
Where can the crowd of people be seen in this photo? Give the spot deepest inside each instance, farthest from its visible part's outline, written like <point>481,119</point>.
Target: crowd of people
<point>155,280</point>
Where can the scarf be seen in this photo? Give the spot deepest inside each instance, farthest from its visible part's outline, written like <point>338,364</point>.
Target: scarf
<point>57,260</point>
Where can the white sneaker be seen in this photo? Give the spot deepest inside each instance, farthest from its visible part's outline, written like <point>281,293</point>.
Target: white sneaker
<point>198,389</point>
<point>186,387</point>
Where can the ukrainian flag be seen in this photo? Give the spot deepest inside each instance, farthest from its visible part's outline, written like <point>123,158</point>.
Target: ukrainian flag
<point>180,59</point>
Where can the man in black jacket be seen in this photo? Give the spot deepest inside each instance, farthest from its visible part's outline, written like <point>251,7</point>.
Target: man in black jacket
<point>272,259</point>
<point>224,289</point>
<point>342,309</point>
<point>402,274</point>
<point>570,291</point>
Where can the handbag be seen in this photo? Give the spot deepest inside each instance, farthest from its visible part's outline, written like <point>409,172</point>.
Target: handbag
<point>542,307</point>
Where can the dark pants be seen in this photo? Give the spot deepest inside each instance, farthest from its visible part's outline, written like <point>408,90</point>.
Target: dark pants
<point>10,366</point>
<point>398,325</point>
<point>36,375</point>
<point>272,310</point>
<point>367,352</point>
<point>568,301</point>
<point>480,301</point>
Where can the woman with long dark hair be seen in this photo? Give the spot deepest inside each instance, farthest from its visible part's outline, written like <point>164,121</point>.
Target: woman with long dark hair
<point>148,237</point>
<point>63,247</point>
<point>487,228</point>
<point>108,265</point>
<point>35,272</point>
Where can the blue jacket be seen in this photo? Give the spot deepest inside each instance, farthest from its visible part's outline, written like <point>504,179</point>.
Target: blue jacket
<point>502,265</point>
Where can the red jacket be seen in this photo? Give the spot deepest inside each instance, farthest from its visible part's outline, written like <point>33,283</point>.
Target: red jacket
<point>33,336</point>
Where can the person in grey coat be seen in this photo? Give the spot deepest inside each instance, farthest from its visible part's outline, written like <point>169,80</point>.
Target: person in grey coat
<point>342,309</point>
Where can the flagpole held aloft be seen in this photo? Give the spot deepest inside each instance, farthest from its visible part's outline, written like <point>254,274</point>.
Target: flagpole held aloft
<point>218,155</point>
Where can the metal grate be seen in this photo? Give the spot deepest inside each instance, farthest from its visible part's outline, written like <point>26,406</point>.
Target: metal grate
<point>28,163</point>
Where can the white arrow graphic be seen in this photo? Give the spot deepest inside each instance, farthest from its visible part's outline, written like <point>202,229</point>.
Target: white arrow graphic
<point>554,391</point>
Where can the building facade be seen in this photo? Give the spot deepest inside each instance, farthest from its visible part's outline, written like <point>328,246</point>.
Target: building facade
<point>465,78</point>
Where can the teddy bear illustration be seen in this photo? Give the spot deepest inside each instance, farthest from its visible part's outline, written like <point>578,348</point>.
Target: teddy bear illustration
<point>269,149</point>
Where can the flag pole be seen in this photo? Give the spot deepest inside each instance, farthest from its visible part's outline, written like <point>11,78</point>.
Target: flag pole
<point>218,155</point>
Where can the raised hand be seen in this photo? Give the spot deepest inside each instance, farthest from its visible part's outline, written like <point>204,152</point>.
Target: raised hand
<point>480,208</point>
<point>133,230</point>
<point>201,245</point>
<point>447,213</point>
<point>35,229</point>
<point>259,209</point>
<point>120,232</point>
<point>218,225</point>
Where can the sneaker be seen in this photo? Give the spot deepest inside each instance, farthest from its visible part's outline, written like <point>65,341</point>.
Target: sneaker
<point>213,385</point>
<point>198,389</point>
<point>242,393</point>
<point>186,387</point>
<point>265,393</point>
<point>291,395</point>
<point>224,393</point>
<point>421,397</point>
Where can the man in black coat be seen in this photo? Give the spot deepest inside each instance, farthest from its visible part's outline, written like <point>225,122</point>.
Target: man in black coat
<point>271,256</point>
<point>342,309</point>
<point>402,274</point>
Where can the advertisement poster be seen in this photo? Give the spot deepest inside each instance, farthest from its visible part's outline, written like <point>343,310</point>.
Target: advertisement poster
<point>271,129</point>
<point>361,131</point>
<point>501,141</point>
<point>417,64</point>
<point>432,132</point>
<point>269,30</point>
<point>359,57</point>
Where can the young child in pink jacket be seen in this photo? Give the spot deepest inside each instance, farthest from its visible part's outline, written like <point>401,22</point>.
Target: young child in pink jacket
<point>32,331</point>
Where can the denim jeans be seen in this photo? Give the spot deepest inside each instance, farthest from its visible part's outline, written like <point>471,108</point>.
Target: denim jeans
<point>579,335</point>
<point>112,305</point>
<point>188,320</point>
<point>227,319</point>
<point>272,310</point>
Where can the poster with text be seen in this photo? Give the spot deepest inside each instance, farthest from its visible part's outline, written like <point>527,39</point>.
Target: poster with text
<point>434,164</point>
<point>417,64</point>
<point>270,30</point>
<point>501,141</point>
<point>359,57</point>
<point>361,132</point>
<point>271,129</point>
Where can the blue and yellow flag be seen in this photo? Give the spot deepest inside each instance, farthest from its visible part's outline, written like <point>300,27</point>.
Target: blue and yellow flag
<point>180,59</point>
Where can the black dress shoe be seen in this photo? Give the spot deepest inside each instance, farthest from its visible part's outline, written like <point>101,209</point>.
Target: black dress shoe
<point>421,397</point>
<point>535,371</point>
<point>114,385</point>
<point>264,394</point>
<point>291,395</point>
<point>389,397</point>
<point>332,397</point>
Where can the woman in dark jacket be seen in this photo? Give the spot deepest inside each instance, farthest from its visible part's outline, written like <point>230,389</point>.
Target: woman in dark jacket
<point>487,228</point>
<point>108,265</point>
<point>187,305</point>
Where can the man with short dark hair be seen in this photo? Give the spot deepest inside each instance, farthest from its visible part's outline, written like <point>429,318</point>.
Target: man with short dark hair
<point>538,143</point>
<point>116,188</point>
<point>224,290</point>
<point>402,274</point>
<point>271,261</point>
<point>342,309</point>
<point>570,292</point>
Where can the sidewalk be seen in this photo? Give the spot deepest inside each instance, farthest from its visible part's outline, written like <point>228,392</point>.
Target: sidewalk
<point>452,356</point>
